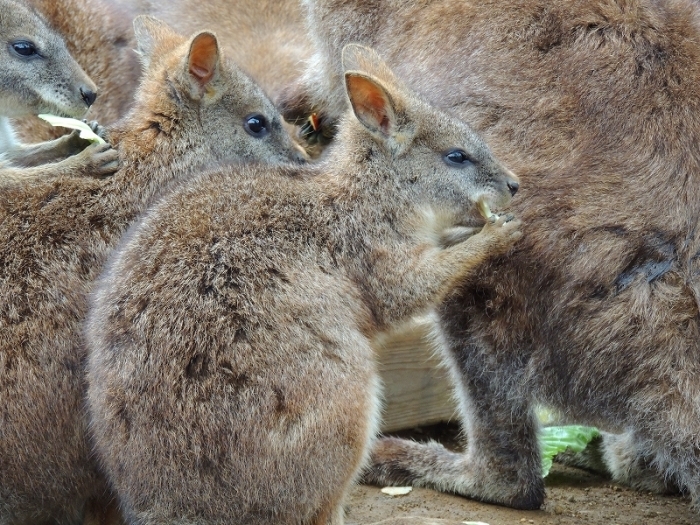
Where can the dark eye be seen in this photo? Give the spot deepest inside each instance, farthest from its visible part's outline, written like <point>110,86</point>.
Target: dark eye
<point>256,125</point>
<point>458,158</point>
<point>24,48</point>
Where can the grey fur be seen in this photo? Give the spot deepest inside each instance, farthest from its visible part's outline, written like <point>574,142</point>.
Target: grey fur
<point>49,81</point>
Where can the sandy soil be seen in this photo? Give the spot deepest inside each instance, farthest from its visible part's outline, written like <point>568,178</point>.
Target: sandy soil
<point>573,497</point>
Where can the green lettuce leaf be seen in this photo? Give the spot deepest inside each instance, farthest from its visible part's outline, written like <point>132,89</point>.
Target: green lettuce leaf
<point>556,439</point>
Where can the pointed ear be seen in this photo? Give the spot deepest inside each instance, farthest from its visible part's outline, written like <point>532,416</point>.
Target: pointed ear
<point>150,34</point>
<point>203,59</point>
<point>371,103</point>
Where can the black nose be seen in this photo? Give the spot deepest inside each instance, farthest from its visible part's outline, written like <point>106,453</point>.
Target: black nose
<point>88,95</point>
<point>513,187</point>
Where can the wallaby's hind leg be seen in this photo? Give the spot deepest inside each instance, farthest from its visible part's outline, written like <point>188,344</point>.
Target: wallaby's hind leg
<point>497,419</point>
<point>624,457</point>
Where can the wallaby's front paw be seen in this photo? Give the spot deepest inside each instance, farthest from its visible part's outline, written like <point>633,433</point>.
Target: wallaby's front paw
<point>72,144</point>
<point>501,233</point>
<point>456,235</point>
<point>98,160</point>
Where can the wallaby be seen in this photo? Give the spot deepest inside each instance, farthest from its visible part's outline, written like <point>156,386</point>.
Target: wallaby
<point>231,372</point>
<point>38,75</point>
<point>266,38</point>
<point>596,106</point>
<point>193,110</point>
<point>100,36</point>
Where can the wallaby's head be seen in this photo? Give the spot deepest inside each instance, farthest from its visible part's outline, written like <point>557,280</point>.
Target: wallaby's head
<point>444,164</point>
<point>37,73</point>
<point>193,102</point>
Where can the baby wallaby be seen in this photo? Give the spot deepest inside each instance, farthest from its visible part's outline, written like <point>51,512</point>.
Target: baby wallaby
<point>38,75</point>
<point>231,372</point>
<point>193,110</point>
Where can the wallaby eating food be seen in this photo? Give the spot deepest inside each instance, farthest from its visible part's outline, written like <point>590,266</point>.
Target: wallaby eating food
<point>38,75</point>
<point>596,106</point>
<point>231,371</point>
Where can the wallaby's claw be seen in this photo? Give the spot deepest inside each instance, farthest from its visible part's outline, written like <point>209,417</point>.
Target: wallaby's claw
<point>97,129</point>
<point>502,231</point>
<point>72,144</point>
<point>499,220</point>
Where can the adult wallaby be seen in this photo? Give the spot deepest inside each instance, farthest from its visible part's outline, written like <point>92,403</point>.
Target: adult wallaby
<point>231,372</point>
<point>192,110</point>
<point>38,75</point>
<point>596,106</point>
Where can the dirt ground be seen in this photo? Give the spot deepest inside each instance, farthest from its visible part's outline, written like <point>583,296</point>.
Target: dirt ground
<point>573,497</point>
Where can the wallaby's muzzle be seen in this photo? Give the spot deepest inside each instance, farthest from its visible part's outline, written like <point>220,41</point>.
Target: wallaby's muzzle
<point>88,96</point>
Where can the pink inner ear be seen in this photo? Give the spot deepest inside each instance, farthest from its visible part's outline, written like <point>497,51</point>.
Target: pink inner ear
<point>204,55</point>
<point>370,102</point>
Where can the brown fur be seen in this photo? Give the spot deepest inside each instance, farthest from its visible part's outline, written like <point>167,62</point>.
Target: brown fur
<point>596,105</point>
<point>54,237</point>
<point>231,374</point>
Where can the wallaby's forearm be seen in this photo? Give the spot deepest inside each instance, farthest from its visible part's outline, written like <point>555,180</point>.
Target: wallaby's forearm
<point>424,276</point>
<point>97,160</point>
<point>30,155</point>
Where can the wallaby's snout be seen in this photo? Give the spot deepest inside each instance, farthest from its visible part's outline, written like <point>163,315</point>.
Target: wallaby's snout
<point>513,187</point>
<point>512,182</point>
<point>88,95</point>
